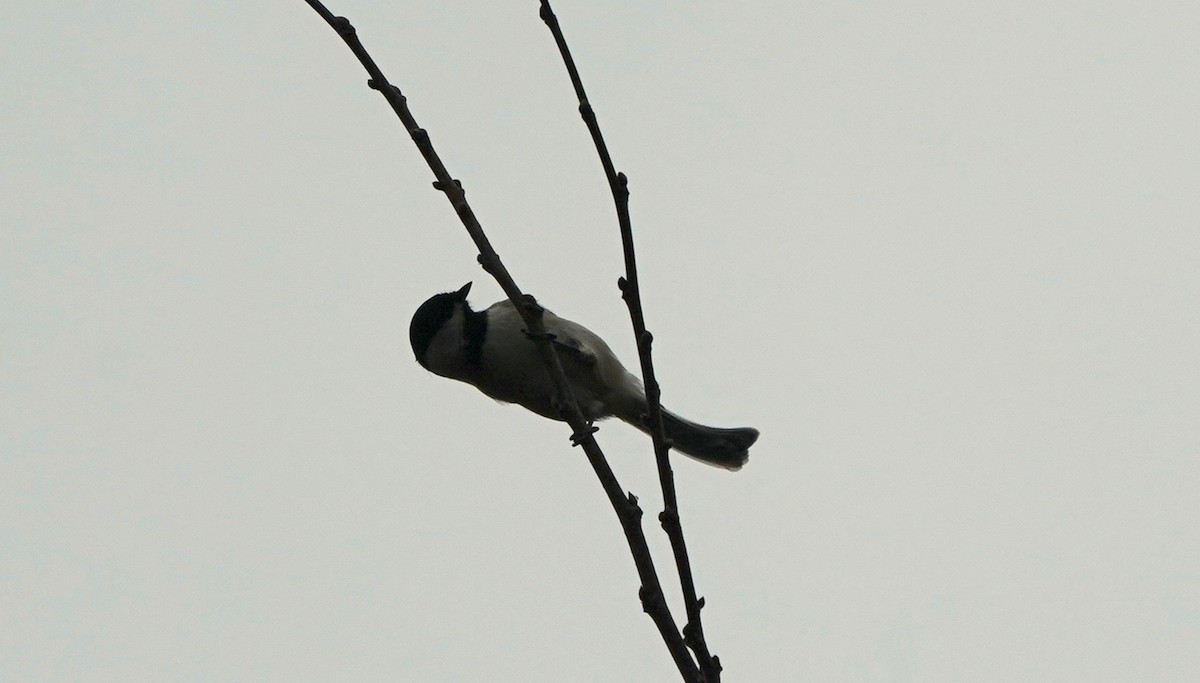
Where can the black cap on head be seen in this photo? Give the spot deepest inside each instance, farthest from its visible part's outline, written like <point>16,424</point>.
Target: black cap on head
<point>431,316</point>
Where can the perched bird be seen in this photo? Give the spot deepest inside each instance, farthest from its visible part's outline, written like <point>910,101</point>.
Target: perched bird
<point>490,350</point>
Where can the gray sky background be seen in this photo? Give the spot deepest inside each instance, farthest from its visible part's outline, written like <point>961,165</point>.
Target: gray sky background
<point>944,257</point>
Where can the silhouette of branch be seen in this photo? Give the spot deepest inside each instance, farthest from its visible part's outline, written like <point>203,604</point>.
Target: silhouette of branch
<point>693,632</point>
<point>625,505</point>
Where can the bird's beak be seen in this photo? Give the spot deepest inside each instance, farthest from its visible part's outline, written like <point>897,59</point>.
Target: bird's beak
<point>462,292</point>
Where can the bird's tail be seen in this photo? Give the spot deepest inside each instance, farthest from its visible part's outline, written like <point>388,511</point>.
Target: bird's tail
<point>726,448</point>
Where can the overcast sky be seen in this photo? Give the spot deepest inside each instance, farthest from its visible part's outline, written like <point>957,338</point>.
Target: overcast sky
<point>944,257</point>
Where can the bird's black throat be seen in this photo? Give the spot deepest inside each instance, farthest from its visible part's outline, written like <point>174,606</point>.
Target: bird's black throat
<point>474,331</point>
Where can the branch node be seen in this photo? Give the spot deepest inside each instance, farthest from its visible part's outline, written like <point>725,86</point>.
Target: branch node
<point>669,519</point>
<point>343,26</point>
<point>652,600</point>
<point>391,92</point>
<point>629,292</point>
<point>547,14</point>
<point>632,510</point>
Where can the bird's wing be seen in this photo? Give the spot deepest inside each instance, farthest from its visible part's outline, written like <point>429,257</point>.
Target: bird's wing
<point>573,343</point>
<point>598,378</point>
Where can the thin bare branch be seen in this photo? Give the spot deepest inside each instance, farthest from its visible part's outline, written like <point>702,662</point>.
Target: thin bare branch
<point>625,505</point>
<point>710,665</point>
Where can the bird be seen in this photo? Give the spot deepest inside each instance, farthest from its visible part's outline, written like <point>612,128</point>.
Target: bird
<point>491,350</point>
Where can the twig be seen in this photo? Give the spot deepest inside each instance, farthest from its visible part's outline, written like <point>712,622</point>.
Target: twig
<point>693,632</point>
<point>625,505</point>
